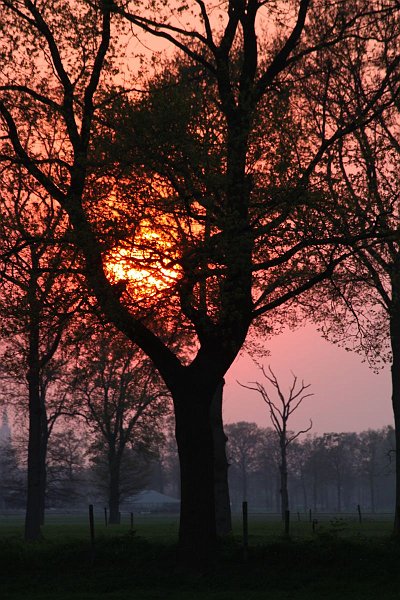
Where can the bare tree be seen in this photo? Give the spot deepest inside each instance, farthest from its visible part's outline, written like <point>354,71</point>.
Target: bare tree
<point>280,409</point>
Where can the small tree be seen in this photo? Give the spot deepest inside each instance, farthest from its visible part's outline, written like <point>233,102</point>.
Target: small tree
<point>244,442</point>
<point>65,467</point>
<point>123,402</point>
<point>280,411</point>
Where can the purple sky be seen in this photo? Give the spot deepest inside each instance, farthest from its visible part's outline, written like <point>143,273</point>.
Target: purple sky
<point>348,395</point>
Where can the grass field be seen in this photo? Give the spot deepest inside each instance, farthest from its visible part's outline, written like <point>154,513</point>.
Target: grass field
<point>340,560</point>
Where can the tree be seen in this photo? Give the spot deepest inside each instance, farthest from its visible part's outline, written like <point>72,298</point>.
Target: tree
<point>38,298</point>
<point>257,236</point>
<point>362,311</point>
<point>280,411</point>
<point>244,441</point>
<point>65,468</point>
<point>124,404</point>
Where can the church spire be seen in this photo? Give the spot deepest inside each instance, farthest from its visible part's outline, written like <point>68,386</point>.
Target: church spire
<point>5,430</point>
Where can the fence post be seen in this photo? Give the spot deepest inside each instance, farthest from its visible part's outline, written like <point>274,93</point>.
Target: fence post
<point>359,513</point>
<point>131,521</point>
<point>245,530</point>
<point>298,516</point>
<point>310,515</point>
<point>314,524</point>
<point>105,516</point>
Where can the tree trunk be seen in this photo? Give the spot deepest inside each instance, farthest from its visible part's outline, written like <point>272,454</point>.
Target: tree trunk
<point>244,480</point>
<point>221,487</point>
<point>194,436</point>
<point>114,491</point>
<point>284,477</point>
<point>372,492</point>
<point>339,496</point>
<point>395,343</point>
<point>43,460</point>
<point>43,480</point>
<point>33,515</point>
<point>304,491</point>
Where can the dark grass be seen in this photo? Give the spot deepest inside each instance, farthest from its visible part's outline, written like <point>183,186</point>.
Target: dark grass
<point>338,561</point>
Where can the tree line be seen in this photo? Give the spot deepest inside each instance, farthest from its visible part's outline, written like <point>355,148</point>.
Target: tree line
<point>333,472</point>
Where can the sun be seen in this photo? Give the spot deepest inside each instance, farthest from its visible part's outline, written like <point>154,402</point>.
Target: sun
<point>149,263</point>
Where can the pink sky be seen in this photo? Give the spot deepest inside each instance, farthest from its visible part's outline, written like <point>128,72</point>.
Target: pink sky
<point>348,395</point>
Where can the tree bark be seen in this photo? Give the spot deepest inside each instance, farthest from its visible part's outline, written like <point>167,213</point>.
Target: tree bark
<point>194,436</point>
<point>395,344</point>
<point>33,516</point>
<point>222,500</point>
<point>43,461</point>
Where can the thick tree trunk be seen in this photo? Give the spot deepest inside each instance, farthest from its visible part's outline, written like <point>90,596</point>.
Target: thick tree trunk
<point>114,491</point>
<point>395,343</point>
<point>33,515</point>
<point>221,487</point>
<point>194,436</point>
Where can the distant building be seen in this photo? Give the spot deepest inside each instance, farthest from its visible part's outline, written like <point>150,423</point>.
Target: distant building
<point>151,501</point>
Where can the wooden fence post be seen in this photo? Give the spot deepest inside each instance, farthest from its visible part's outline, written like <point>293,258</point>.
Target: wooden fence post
<point>105,516</point>
<point>359,513</point>
<point>314,524</point>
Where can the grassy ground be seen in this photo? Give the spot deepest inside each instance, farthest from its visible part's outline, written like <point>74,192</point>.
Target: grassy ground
<point>341,559</point>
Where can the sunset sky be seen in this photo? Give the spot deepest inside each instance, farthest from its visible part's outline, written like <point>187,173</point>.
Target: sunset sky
<point>348,395</point>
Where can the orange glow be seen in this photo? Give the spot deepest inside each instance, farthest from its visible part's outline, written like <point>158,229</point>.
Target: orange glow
<point>148,265</point>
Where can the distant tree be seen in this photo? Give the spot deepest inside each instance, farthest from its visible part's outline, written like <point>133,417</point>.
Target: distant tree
<point>123,403</point>
<point>244,440</point>
<point>373,460</point>
<point>280,409</point>
<point>169,460</point>
<point>12,476</point>
<point>340,451</point>
<point>65,467</point>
